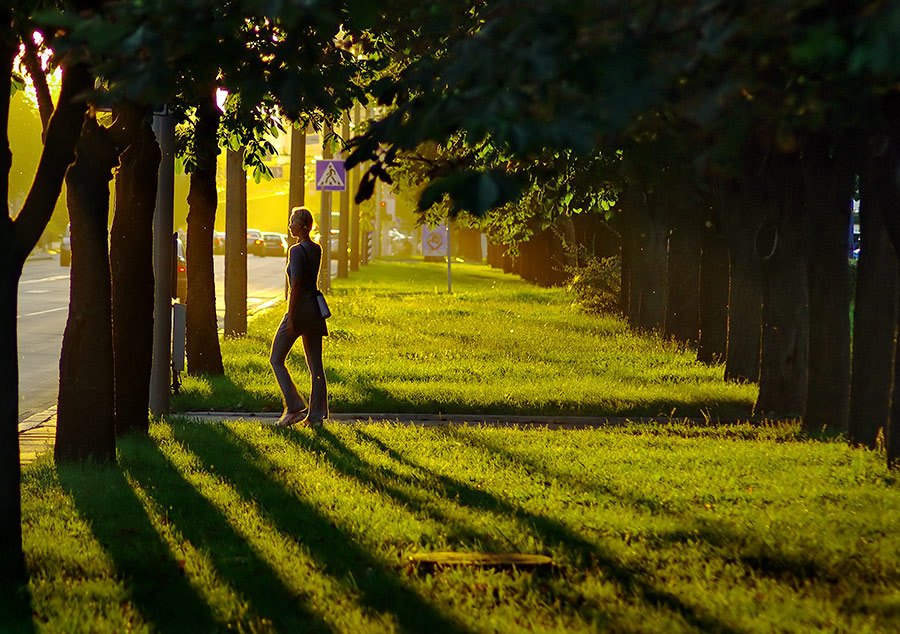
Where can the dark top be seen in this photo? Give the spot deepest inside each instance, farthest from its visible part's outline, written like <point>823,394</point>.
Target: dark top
<point>303,270</point>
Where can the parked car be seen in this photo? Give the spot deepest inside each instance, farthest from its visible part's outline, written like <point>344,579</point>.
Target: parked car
<point>401,243</point>
<point>65,247</point>
<point>179,290</point>
<point>255,245</point>
<point>335,241</point>
<point>274,244</point>
<point>218,242</point>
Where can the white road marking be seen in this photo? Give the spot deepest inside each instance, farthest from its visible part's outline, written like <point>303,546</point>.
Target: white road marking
<point>43,312</point>
<point>52,278</point>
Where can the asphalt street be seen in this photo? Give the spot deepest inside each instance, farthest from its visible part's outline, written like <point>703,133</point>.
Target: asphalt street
<point>43,302</point>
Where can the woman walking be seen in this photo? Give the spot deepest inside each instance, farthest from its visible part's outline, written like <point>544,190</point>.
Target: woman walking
<point>304,320</point>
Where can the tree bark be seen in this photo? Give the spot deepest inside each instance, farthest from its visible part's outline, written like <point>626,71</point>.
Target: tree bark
<point>629,296</point>
<point>742,356</point>
<point>495,255</point>
<point>682,307</point>
<point>85,423</point>
<point>876,312</point>
<point>469,241</point>
<point>651,268</point>
<point>739,212</point>
<point>644,266</point>
<point>781,242</point>
<point>829,186</point>
<point>888,162</point>
<point>203,353</point>
<point>39,81</point>
<point>17,239</point>
<point>713,300</point>
<point>131,267</point>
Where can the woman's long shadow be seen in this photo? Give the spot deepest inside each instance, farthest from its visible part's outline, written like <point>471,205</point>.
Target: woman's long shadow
<point>336,550</point>
<point>634,581</point>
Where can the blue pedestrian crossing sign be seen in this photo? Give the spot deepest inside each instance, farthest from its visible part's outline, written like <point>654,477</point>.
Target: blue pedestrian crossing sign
<point>331,176</point>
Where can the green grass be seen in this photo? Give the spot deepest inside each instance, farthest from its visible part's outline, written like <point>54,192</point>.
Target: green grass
<point>652,528</point>
<point>400,343</point>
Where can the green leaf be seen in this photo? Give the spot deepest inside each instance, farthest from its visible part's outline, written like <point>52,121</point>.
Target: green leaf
<point>17,84</point>
<point>363,13</point>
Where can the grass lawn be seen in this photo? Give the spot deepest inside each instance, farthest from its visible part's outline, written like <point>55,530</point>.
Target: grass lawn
<point>247,528</point>
<point>651,527</point>
<point>400,343</point>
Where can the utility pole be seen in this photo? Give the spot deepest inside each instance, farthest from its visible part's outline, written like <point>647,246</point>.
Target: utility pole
<point>352,186</point>
<point>236,244</point>
<point>163,265</point>
<point>344,222</point>
<point>325,220</point>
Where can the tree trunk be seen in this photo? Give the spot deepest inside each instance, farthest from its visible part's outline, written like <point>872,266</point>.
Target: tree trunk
<point>469,244</point>
<point>203,353</point>
<point>12,561</point>
<point>829,186</point>
<point>892,439</point>
<point>739,212</point>
<point>782,244</point>
<point>629,303</point>
<point>650,268</point>
<point>742,354</point>
<point>495,255</point>
<point>713,300</point>
<point>888,162</point>
<point>86,426</point>
<point>131,267</point>
<point>17,239</point>
<point>682,307</point>
<point>875,313</point>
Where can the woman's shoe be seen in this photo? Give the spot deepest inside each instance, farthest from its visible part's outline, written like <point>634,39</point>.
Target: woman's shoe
<point>289,418</point>
<point>312,421</point>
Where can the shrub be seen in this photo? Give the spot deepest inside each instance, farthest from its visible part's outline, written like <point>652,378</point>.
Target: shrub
<point>597,283</point>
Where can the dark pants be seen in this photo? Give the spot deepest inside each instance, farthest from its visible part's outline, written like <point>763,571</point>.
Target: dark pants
<point>312,347</point>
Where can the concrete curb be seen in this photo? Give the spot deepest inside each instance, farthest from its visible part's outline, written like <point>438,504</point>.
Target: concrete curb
<point>490,420</point>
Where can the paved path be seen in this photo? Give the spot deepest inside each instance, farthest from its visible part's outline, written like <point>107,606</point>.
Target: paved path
<point>37,433</point>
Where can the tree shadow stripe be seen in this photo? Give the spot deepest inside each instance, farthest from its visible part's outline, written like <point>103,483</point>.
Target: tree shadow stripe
<point>633,580</point>
<point>209,530</point>
<point>380,588</point>
<point>152,575</point>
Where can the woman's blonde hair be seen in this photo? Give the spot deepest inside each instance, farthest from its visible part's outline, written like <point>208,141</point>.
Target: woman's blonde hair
<point>304,216</point>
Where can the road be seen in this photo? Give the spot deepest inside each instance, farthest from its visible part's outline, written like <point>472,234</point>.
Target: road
<point>43,303</point>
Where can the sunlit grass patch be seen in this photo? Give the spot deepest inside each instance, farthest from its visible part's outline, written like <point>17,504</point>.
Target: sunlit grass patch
<point>651,527</point>
<point>400,343</point>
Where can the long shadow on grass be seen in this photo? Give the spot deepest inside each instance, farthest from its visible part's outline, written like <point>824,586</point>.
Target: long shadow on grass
<point>719,535</point>
<point>209,530</point>
<point>16,615</point>
<point>551,531</point>
<point>154,579</point>
<point>227,395</point>
<point>336,550</point>
<point>351,464</point>
<point>633,580</point>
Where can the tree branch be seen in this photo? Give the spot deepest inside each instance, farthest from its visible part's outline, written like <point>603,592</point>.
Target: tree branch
<point>62,135</point>
<point>36,72</point>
